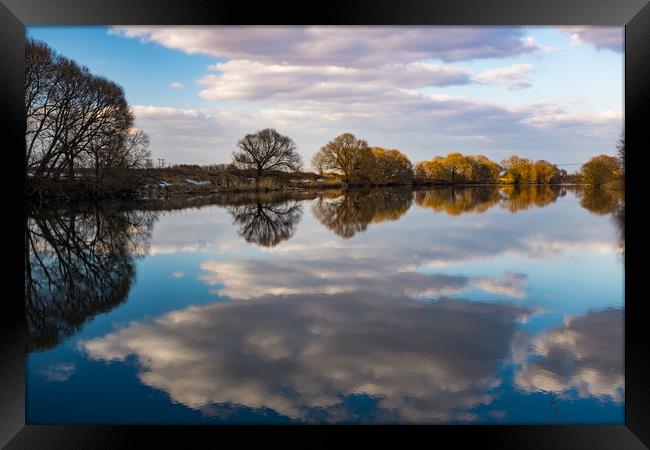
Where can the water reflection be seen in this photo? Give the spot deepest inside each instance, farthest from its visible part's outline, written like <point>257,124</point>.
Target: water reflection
<point>81,263</point>
<point>518,198</point>
<point>459,200</point>
<point>606,201</point>
<point>599,200</point>
<point>247,278</point>
<point>421,321</point>
<point>305,356</point>
<point>583,358</point>
<point>266,220</point>
<point>455,201</point>
<point>77,265</point>
<point>349,212</point>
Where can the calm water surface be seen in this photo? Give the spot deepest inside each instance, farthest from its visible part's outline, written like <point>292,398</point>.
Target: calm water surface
<point>466,305</point>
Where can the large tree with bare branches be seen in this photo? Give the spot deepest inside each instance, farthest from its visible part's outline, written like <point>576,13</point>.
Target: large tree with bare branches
<point>267,150</point>
<point>75,119</point>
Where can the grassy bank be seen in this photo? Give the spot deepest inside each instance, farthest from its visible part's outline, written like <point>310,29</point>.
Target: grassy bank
<point>155,183</point>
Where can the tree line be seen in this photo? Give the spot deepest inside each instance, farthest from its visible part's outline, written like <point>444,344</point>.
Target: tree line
<point>355,162</point>
<point>76,120</point>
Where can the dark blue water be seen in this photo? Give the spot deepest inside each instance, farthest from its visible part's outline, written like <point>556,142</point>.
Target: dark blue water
<point>443,306</point>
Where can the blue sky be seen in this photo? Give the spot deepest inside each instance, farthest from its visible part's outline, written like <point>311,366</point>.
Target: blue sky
<point>540,92</point>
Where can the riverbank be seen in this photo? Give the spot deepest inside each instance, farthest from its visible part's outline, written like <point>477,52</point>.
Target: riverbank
<point>148,190</point>
<point>190,180</point>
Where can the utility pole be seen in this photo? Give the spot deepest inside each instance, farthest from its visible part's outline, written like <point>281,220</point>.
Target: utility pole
<point>161,162</point>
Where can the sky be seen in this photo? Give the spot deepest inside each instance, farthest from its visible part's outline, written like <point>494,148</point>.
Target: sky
<point>553,93</point>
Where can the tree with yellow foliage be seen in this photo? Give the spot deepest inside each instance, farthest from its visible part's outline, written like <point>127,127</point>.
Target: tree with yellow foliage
<point>392,166</point>
<point>433,169</point>
<point>348,156</point>
<point>518,170</point>
<point>483,170</point>
<point>601,170</point>
<point>455,168</point>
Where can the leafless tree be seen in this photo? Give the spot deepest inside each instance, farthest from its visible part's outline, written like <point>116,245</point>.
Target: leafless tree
<point>267,150</point>
<point>75,119</point>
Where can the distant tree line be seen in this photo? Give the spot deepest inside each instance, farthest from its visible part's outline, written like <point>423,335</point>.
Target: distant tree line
<point>355,162</point>
<point>455,168</point>
<point>76,120</point>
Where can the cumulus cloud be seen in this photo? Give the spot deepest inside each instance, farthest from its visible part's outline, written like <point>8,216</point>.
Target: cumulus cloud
<point>331,45</point>
<point>251,80</point>
<point>585,355</point>
<point>515,76</point>
<point>549,116</point>
<point>372,81</point>
<point>191,135</point>
<point>210,135</point>
<point>302,356</point>
<point>176,85</point>
<point>610,38</point>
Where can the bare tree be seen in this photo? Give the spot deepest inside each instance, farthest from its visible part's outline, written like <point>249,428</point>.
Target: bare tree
<point>267,150</point>
<point>318,163</point>
<point>75,119</point>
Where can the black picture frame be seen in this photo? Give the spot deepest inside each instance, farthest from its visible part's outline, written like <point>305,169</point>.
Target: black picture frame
<point>633,14</point>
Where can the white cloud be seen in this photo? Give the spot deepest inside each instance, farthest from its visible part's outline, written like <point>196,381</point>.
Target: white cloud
<point>515,76</point>
<point>556,117</point>
<point>244,80</point>
<point>314,83</point>
<point>610,38</point>
<point>331,45</point>
<point>436,124</point>
<point>176,85</point>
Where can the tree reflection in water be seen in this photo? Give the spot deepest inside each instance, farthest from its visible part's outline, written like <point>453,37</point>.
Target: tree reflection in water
<point>77,265</point>
<point>350,212</point>
<point>458,200</point>
<point>518,198</point>
<point>265,219</point>
<point>604,201</point>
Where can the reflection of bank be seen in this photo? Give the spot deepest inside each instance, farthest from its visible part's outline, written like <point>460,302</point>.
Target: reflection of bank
<point>603,201</point>
<point>77,265</point>
<point>351,211</point>
<point>457,200</point>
